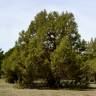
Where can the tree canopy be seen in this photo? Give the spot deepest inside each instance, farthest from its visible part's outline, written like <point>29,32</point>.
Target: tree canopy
<point>51,49</point>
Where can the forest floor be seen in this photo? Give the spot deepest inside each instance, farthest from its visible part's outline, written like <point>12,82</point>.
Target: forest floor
<point>9,90</point>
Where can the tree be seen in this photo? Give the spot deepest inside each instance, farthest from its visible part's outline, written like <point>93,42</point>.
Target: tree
<point>1,59</point>
<point>91,61</point>
<point>51,49</point>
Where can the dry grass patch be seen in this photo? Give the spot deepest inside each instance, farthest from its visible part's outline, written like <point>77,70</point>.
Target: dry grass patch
<point>9,90</point>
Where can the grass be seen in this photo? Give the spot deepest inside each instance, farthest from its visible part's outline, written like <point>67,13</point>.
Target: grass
<point>10,90</point>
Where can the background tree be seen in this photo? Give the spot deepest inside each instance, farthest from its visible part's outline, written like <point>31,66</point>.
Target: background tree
<point>1,59</point>
<point>91,55</point>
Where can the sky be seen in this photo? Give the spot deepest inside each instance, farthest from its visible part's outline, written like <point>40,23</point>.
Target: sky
<point>16,15</point>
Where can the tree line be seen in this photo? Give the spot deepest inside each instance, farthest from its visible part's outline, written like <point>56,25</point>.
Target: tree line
<point>51,51</point>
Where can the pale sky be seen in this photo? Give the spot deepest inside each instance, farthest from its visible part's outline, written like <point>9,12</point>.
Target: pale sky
<point>16,15</point>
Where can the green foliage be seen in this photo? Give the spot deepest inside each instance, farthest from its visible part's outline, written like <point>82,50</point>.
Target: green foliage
<point>1,59</point>
<point>92,48</point>
<point>91,58</point>
<point>51,49</point>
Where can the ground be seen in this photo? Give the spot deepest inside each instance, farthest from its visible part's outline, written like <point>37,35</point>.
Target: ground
<point>11,90</point>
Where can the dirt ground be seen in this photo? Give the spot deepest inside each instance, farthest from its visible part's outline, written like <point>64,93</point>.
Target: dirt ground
<point>9,90</point>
